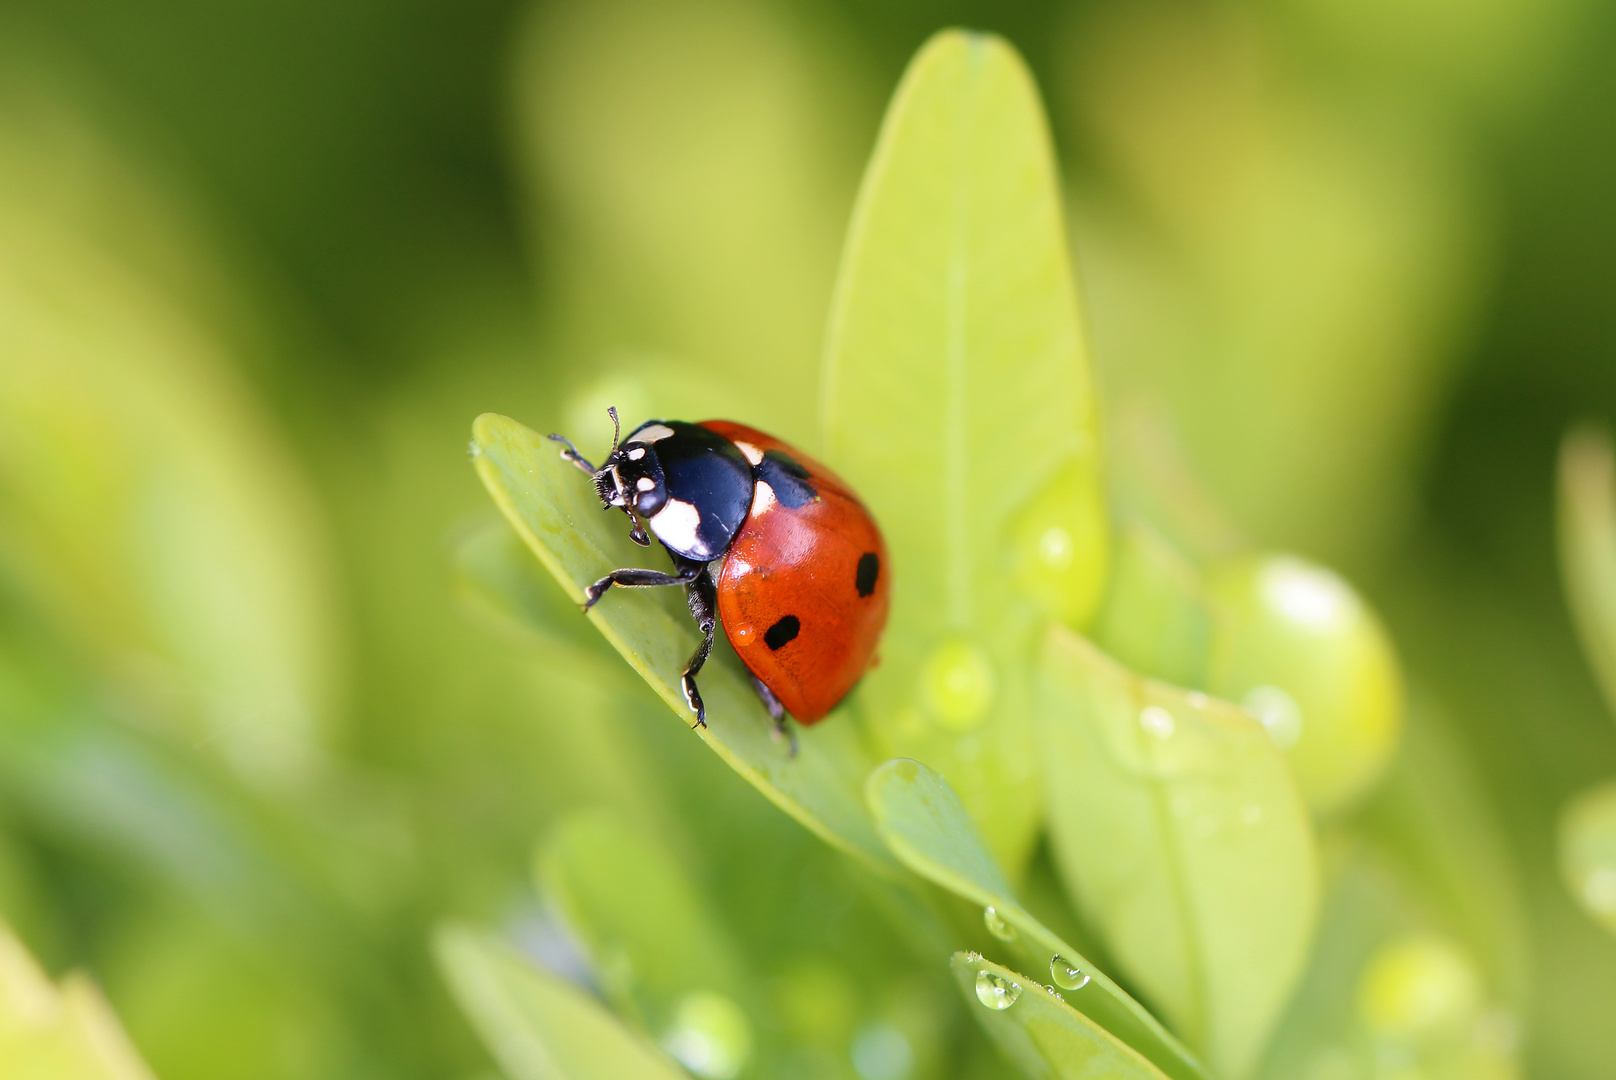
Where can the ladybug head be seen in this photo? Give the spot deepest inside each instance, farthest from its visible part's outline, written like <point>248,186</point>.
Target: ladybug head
<point>631,477</point>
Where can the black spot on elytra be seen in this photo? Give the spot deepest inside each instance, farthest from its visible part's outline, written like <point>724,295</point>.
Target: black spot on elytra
<point>781,632</point>
<point>787,477</point>
<point>869,570</point>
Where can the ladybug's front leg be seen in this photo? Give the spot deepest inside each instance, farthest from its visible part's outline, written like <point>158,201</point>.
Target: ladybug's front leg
<point>703,597</point>
<point>571,454</point>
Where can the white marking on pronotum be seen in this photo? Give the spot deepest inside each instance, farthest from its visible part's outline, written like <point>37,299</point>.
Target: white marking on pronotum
<point>762,498</point>
<point>675,525</point>
<point>652,432</point>
<point>645,483</point>
<point>750,452</point>
<point>637,453</point>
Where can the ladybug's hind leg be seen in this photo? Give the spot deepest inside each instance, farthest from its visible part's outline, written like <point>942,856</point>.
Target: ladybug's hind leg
<point>777,712</point>
<point>703,597</point>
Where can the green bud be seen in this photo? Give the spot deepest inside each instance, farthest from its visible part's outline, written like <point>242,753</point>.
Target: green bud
<point>1295,645</point>
<point>1420,987</point>
<point>1059,545</point>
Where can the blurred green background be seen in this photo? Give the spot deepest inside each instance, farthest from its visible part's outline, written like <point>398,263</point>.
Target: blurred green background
<point>1347,274</point>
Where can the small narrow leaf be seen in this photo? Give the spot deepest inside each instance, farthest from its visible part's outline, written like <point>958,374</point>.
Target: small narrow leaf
<point>1038,1031</point>
<point>48,1033</point>
<point>1587,535</point>
<point>537,1026</point>
<point>652,939</point>
<point>957,402</point>
<point>1182,836</point>
<point>923,822</point>
<point>497,578</point>
<point>555,511</point>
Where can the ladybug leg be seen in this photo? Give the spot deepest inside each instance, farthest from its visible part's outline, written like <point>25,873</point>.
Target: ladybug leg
<point>571,454</point>
<point>639,578</point>
<point>777,712</point>
<point>703,598</point>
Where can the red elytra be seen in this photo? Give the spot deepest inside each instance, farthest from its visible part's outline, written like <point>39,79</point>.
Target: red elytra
<point>804,591</point>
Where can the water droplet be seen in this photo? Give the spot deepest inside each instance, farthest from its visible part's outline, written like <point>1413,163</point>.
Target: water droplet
<point>1055,548</point>
<point>1066,975</point>
<point>1599,890</point>
<point>957,684</point>
<point>1280,715</point>
<point>995,991</point>
<point>709,1035</point>
<point>1157,721</point>
<point>997,926</point>
<point>882,1052</point>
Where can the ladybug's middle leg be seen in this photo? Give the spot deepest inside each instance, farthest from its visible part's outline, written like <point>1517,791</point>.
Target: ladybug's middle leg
<point>688,572</point>
<point>703,597</point>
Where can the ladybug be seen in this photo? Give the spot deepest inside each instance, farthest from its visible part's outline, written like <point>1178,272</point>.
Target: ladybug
<point>801,584</point>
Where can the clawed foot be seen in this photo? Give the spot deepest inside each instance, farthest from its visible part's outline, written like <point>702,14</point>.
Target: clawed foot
<point>593,594</point>
<point>693,699</point>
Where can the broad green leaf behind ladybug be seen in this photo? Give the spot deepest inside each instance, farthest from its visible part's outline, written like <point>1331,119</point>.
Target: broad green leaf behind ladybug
<point>957,402</point>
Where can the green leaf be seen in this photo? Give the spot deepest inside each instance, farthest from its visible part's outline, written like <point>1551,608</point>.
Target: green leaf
<point>498,580</point>
<point>1588,852</point>
<point>1040,1033</point>
<point>958,403</point>
<point>1156,618</point>
<point>554,509</point>
<point>651,936</point>
<point>923,822</point>
<point>537,1026</point>
<point>1180,833</point>
<point>1587,535</point>
<point>51,1033</point>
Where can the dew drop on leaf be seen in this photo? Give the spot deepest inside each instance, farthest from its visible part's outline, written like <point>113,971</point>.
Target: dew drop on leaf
<point>995,991</point>
<point>1278,711</point>
<point>1055,548</point>
<point>997,926</point>
<point>1157,721</point>
<point>1067,976</point>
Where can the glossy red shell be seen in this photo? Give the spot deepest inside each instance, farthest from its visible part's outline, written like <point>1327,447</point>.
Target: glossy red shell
<point>803,564</point>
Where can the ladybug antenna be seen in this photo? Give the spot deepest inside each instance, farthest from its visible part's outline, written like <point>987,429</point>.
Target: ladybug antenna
<point>636,531</point>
